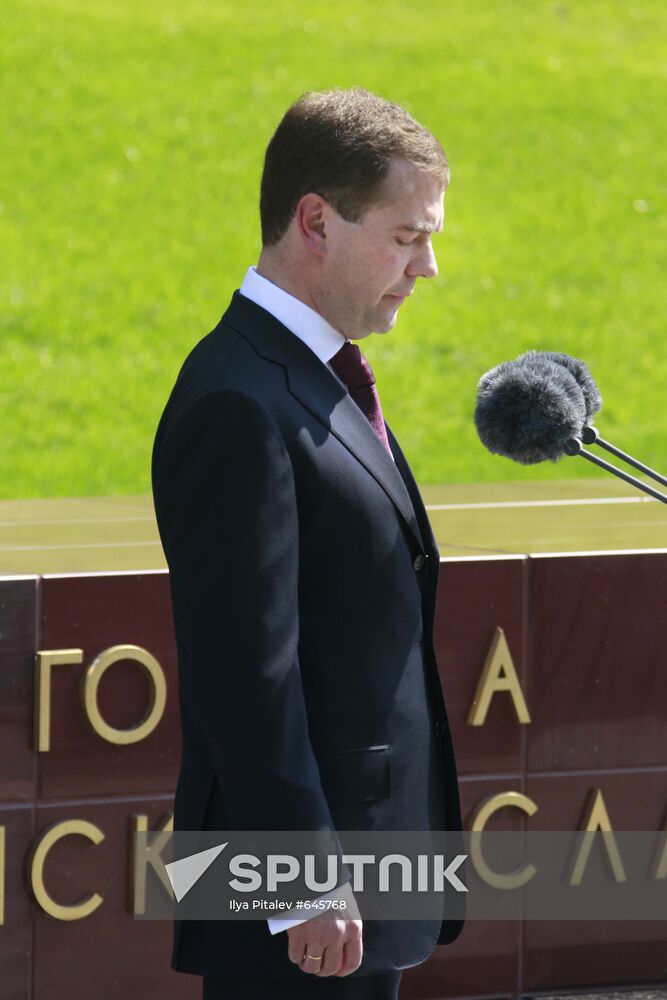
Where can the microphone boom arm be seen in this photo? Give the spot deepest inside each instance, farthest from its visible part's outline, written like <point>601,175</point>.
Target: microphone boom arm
<point>591,435</point>
<point>575,447</point>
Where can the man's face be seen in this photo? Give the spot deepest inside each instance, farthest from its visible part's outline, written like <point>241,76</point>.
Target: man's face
<point>372,266</point>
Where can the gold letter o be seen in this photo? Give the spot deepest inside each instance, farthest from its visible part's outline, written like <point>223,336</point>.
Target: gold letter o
<point>90,684</point>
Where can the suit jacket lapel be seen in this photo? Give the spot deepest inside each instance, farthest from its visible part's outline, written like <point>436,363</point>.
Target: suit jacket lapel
<point>423,520</point>
<point>321,393</point>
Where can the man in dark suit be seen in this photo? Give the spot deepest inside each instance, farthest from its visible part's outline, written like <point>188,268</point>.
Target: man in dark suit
<point>303,568</point>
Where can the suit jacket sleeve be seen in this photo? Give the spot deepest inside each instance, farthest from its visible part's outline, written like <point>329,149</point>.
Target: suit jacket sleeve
<point>226,505</point>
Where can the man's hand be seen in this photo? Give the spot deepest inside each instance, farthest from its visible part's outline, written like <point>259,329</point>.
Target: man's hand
<point>326,945</point>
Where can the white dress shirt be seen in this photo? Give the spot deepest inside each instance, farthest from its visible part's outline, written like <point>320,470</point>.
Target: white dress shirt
<point>304,322</point>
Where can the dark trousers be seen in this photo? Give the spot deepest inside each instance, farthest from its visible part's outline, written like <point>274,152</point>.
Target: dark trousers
<point>381,987</point>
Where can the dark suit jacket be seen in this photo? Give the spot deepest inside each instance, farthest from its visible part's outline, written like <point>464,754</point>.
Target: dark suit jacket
<point>303,575</point>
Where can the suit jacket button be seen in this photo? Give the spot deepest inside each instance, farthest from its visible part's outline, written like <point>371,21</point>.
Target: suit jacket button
<point>418,562</point>
<point>440,728</point>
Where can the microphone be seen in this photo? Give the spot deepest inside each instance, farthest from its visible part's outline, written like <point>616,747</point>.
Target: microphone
<point>593,400</point>
<point>538,408</point>
<point>579,370</point>
<point>529,410</point>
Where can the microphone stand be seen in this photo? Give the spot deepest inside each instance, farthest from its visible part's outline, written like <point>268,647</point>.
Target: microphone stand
<point>591,435</point>
<point>575,447</point>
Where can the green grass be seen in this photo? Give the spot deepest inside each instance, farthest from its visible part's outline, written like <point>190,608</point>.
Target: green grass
<point>132,140</point>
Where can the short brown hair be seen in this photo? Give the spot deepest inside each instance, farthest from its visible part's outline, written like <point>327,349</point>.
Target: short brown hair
<point>339,144</point>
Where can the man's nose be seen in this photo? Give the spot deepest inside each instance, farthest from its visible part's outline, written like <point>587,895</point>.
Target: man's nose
<point>425,264</point>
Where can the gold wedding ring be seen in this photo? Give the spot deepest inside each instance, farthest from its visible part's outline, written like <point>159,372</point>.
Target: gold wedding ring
<point>316,958</point>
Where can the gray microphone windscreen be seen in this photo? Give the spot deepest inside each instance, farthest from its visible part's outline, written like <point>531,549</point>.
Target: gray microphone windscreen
<point>530,410</point>
<point>576,368</point>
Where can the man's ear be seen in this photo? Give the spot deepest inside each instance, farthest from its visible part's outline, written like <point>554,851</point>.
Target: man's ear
<point>310,216</point>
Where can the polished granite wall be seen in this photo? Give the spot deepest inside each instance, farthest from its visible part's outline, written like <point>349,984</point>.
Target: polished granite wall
<point>587,638</point>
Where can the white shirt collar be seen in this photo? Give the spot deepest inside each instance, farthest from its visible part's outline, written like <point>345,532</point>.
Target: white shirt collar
<point>308,325</point>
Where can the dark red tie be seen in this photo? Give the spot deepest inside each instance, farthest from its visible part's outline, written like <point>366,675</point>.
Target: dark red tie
<point>352,368</point>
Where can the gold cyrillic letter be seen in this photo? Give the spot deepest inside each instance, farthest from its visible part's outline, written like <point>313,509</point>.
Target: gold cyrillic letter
<point>486,809</point>
<point>44,660</point>
<point>597,819</point>
<point>91,682</point>
<point>143,855</point>
<point>499,674</point>
<point>74,911</point>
